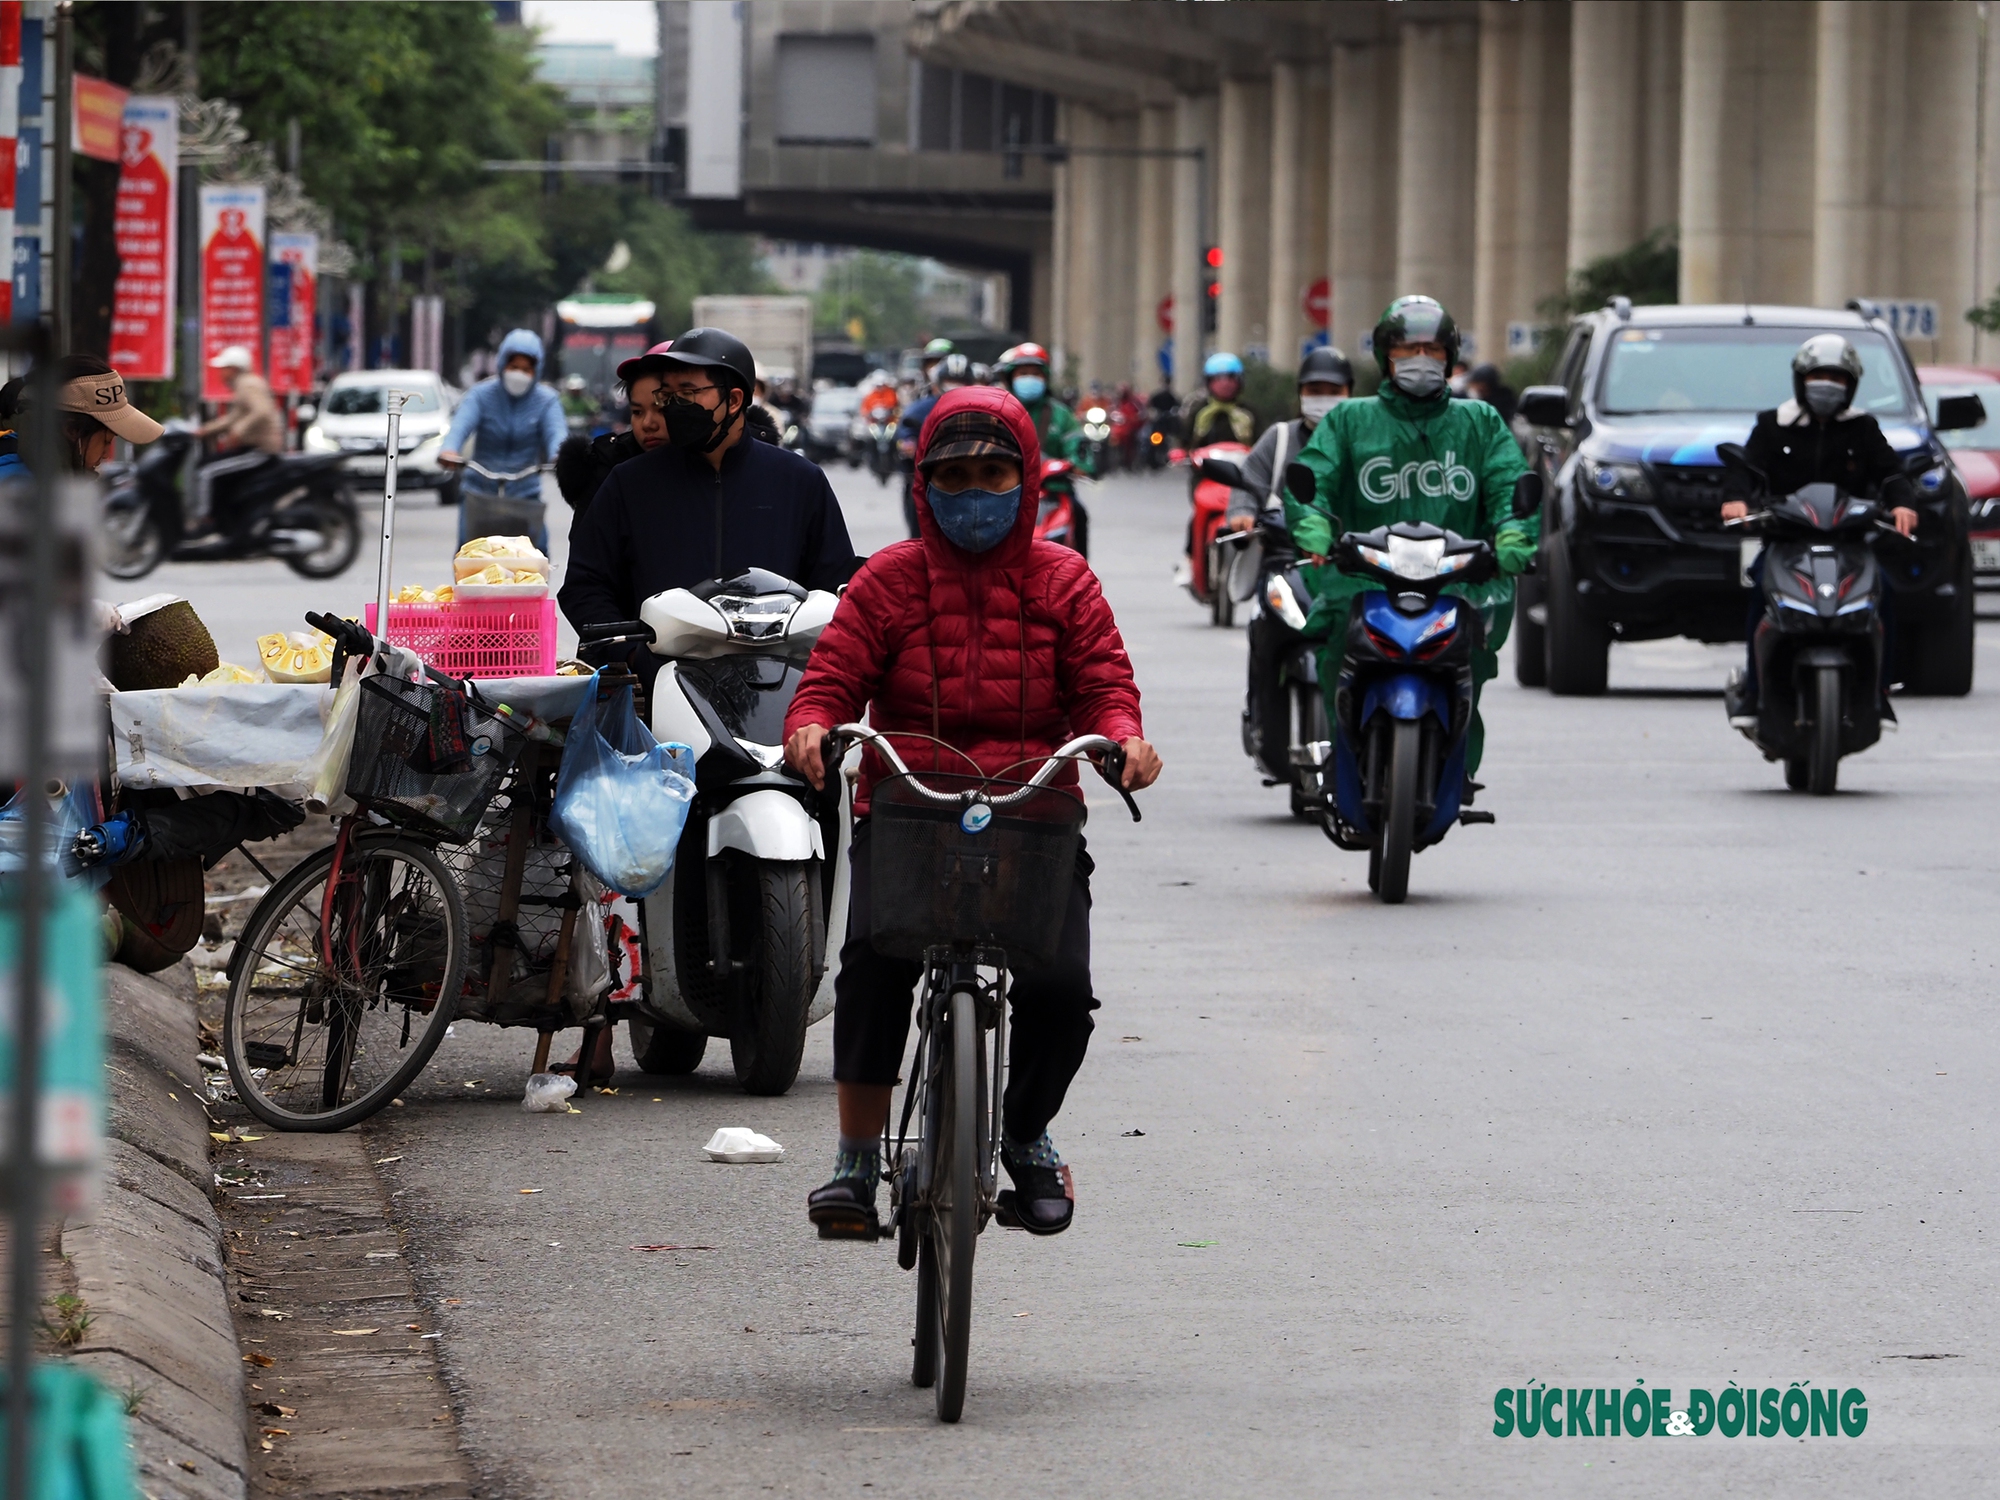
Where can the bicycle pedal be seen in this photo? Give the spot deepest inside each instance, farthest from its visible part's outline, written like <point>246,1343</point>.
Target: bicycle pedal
<point>1473,815</point>
<point>1004,1213</point>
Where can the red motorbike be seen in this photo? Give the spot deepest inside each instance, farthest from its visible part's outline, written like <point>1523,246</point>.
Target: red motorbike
<point>1062,518</point>
<point>1210,502</point>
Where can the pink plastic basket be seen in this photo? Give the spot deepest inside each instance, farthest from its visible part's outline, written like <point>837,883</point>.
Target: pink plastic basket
<point>491,638</point>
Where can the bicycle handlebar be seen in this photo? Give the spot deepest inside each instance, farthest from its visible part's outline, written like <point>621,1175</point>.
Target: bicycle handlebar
<point>478,468</point>
<point>612,632</point>
<point>1110,765</point>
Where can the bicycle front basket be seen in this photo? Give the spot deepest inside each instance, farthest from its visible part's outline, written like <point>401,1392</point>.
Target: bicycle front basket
<point>946,874</point>
<point>391,740</point>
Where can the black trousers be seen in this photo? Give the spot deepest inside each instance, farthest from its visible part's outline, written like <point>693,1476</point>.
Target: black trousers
<point>1051,1025</point>
<point>1272,643</point>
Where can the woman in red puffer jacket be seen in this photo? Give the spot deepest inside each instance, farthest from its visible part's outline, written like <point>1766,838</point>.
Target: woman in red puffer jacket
<point>1003,647</point>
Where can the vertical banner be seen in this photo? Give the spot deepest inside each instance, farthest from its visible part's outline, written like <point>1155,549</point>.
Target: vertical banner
<point>142,313</point>
<point>232,277</point>
<point>427,333</point>
<point>357,326</point>
<point>10,130</point>
<point>97,117</point>
<point>294,309</point>
<point>27,247</point>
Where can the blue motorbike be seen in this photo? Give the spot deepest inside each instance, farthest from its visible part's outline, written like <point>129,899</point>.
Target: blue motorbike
<point>1392,779</point>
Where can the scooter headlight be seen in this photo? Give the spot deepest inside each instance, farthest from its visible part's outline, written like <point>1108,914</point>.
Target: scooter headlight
<point>1283,603</point>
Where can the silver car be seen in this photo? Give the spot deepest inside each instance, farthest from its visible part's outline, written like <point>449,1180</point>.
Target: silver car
<point>353,419</point>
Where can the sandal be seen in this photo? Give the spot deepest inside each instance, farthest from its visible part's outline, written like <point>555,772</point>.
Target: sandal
<point>845,1210</point>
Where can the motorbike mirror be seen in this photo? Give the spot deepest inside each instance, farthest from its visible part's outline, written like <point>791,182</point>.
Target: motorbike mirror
<point>1957,413</point>
<point>1527,496</point>
<point>1736,456</point>
<point>1300,483</point>
<point>1545,406</point>
<point>1223,471</point>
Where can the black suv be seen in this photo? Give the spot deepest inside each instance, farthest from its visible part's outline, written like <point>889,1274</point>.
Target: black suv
<point>1632,541</point>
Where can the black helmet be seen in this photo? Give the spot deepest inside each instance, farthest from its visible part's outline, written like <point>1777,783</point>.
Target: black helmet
<point>1415,320</point>
<point>1326,363</point>
<point>723,354</point>
<point>954,367</point>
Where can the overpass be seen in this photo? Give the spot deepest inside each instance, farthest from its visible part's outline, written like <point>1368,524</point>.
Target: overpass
<point>1805,151</point>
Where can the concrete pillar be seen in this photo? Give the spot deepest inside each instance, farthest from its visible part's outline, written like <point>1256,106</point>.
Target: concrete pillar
<point>1747,151</point>
<point>1244,231</point>
<point>1090,212</point>
<point>1052,316</point>
<point>1194,130</point>
<point>1110,266</point>
<point>1624,157</point>
<point>1521,212</point>
<point>1361,231</point>
<point>1437,162</point>
<point>1283,322</point>
<point>1986,274</point>
<point>1153,243</point>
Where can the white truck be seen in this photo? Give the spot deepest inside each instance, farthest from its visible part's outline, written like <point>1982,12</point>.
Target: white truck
<point>777,329</point>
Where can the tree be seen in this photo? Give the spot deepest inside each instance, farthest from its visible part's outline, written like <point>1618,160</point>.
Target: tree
<point>877,292</point>
<point>1648,272</point>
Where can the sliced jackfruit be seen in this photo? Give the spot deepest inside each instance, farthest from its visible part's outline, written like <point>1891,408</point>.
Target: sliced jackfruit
<point>297,656</point>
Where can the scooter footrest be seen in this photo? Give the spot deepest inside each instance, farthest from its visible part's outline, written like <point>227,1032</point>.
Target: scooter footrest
<point>1474,815</point>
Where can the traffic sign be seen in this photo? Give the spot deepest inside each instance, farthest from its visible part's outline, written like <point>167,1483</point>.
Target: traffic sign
<point>1319,303</point>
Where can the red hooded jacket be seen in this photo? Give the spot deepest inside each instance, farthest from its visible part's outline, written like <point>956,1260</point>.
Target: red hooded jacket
<point>1003,654</point>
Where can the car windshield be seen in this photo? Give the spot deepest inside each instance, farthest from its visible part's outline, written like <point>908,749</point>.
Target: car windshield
<point>1741,369</point>
<point>836,403</point>
<point>1986,436</point>
<point>359,400</point>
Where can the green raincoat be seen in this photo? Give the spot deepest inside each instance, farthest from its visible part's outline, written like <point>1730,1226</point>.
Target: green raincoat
<point>1452,463</point>
<point>1060,431</point>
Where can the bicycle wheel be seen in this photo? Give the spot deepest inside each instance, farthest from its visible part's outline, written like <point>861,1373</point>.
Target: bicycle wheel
<point>954,1203</point>
<point>318,1045</point>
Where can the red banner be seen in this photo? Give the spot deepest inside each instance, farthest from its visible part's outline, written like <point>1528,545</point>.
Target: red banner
<point>294,307</point>
<point>142,316</point>
<point>232,278</point>
<point>10,130</point>
<point>97,115</point>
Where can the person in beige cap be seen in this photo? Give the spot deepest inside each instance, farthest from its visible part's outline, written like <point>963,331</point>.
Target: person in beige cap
<point>250,429</point>
<point>95,412</point>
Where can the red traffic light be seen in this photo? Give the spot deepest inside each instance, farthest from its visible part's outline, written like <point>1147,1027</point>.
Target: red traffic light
<point>1214,257</point>
<point>1215,289</point>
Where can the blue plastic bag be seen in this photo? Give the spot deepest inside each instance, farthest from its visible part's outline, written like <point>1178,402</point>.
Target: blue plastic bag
<point>621,796</point>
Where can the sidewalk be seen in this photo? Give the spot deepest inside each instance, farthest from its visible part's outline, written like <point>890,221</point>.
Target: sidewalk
<point>148,1257</point>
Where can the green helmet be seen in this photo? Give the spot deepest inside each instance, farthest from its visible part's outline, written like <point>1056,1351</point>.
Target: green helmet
<point>939,348</point>
<point>1414,320</point>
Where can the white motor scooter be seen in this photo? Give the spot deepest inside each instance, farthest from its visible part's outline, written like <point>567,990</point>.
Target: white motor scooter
<point>736,940</point>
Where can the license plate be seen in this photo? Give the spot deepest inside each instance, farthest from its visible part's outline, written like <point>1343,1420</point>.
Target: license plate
<point>1748,549</point>
<point>1986,554</point>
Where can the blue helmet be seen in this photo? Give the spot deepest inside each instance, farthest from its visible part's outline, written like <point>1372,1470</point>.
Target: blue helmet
<point>1221,363</point>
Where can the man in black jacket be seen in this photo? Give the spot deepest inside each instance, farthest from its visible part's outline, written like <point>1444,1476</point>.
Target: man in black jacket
<point>1817,437</point>
<point>708,504</point>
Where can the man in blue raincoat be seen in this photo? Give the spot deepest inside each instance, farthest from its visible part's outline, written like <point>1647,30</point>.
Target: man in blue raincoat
<point>516,424</point>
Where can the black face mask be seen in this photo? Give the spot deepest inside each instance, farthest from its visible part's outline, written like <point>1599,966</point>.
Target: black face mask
<point>692,426</point>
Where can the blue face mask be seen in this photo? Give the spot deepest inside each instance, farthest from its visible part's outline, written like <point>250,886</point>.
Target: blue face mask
<point>1030,387</point>
<point>977,520</point>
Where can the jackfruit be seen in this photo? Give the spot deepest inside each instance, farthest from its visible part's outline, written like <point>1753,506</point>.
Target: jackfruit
<point>226,675</point>
<point>301,656</point>
<point>162,649</point>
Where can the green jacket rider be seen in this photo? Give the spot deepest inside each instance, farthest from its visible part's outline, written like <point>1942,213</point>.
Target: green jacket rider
<point>1413,454</point>
<point>1025,371</point>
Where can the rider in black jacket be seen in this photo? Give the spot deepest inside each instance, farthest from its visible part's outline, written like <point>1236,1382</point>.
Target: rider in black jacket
<point>708,504</point>
<point>1817,437</point>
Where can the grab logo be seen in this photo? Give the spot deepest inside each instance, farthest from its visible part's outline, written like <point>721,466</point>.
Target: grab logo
<point>1382,481</point>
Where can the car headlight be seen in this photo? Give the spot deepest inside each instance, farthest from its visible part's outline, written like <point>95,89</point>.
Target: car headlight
<point>1616,481</point>
<point>315,441</point>
<point>1283,603</point>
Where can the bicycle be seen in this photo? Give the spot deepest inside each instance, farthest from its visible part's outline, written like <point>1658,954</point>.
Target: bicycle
<point>497,513</point>
<point>936,865</point>
<point>353,964</point>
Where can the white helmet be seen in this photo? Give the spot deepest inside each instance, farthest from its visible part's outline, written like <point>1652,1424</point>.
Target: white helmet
<point>235,357</point>
<point>1826,351</point>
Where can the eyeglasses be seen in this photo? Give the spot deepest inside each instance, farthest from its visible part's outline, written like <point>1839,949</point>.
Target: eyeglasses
<point>667,393</point>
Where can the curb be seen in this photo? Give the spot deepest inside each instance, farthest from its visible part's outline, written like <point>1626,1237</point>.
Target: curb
<point>148,1254</point>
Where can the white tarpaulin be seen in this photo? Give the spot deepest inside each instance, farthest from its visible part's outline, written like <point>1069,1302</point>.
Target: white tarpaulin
<point>228,735</point>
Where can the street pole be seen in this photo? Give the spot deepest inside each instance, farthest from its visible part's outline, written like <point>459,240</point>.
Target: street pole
<point>64,251</point>
<point>36,505</point>
<point>190,233</point>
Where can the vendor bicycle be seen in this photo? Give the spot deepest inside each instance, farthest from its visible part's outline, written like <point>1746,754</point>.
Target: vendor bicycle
<point>356,961</point>
<point>971,880</point>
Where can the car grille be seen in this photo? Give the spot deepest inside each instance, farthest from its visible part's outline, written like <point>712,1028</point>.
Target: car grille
<point>1690,498</point>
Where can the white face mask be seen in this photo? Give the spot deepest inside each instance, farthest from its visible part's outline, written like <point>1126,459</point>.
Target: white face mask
<point>517,382</point>
<point>1312,408</point>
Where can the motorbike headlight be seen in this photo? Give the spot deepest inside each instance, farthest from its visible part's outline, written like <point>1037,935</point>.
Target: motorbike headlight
<point>315,441</point>
<point>1616,481</point>
<point>1283,603</point>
